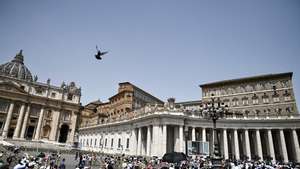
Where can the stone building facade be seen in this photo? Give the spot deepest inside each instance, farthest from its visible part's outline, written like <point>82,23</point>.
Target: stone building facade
<point>157,129</point>
<point>120,106</point>
<point>33,110</point>
<point>268,95</point>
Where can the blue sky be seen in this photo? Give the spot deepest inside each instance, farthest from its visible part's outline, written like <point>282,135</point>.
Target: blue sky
<point>165,47</point>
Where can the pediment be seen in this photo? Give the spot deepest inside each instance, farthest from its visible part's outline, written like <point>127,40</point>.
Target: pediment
<point>12,87</point>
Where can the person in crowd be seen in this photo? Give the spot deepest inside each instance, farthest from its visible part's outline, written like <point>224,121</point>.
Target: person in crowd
<point>62,164</point>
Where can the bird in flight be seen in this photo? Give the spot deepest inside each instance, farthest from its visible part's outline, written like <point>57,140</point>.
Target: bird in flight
<point>99,53</point>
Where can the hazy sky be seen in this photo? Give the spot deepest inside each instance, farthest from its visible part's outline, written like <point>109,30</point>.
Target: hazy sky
<point>166,47</point>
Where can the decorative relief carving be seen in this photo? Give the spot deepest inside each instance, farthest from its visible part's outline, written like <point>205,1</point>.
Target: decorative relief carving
<point>239,89</point>
<point>223,91</point>
<point>249,88</point>
<point>39,89</point>
<point>286,83</point>
<point>268,86</point>
<point>230,90</point>
<point>259,87</point>
<point>72,89</point>
<point>279,85</point>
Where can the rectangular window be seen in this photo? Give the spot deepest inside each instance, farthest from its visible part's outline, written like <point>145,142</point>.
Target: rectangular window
<point>287,98</point>
<point>255,101</point>
<point>35,111</point>
<point>119,143</point>
<point>276,99</point>
<point>39,91</point>
<point>112,143</point>
<point>127,143</point>
<point>53,94</point>
<point>266,100</point>
<point>91,143</point>
<point>3,106</point>
<point>235,103</point>
<point>245,102</point>
<point>1,124</point>
<point>66,116</point>
<point>95,143</point>
<point>105,142</point>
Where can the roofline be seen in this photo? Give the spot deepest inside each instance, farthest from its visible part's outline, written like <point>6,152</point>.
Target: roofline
<point>119,94</point>
<point>93,103</point>
<point>141,90</point>
<point>251,78</point>
<point>192,101</point>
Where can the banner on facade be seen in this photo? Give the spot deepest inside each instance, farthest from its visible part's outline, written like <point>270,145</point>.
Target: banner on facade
<point>198,148</point>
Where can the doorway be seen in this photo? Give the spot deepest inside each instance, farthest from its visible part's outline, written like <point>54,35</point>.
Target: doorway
<point>30,131</point>
<point>63,134</point>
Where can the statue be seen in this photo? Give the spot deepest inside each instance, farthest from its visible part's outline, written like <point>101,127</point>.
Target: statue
<point>35,79</point>
<point>20,53</point>
<point>63,85</point>
<point>48,81</point>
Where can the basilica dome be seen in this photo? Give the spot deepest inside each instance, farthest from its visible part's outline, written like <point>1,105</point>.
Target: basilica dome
<point>16,68</point>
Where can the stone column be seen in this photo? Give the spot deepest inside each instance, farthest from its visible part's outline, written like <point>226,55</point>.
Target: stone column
<point>155,140</point>
<point>39,125</point>
<point>236,145</point>
<point>176,139</point>
<point>24,126</point>
<point>247,143</point>
<point>181,141</point>
<point>283,146</point>
<point>133,142</point>
<point>148,141</point>
<point>139,143</point>
<point>258,143</point>
<point>225,142</point>
<point>54,126</point>
<point>19,122</point>
<point>271,145</point>
<point>203,135</point>
<point>164,140</point>
<point>73,128</point>
<point>296,145</point>
<point>193,134</point>
<point>8,118</point>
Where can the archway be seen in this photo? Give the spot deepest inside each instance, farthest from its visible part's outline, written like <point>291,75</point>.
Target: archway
<point>63,134</point>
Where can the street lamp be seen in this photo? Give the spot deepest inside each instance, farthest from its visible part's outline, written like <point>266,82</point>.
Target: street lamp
<point>214,110</point>
<point>186,136</point>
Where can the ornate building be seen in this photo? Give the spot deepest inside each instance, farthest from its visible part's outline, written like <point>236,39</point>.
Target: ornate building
<point>264,123</point>
<point>268,95</point>
<point>120,106</point>
<point>33,110</point>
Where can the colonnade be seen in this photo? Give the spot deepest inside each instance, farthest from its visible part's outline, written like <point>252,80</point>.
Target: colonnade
<point>23,121</point>
<point>235,143</point>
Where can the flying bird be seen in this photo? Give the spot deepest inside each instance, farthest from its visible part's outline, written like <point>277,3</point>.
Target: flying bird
<point>99,53</point>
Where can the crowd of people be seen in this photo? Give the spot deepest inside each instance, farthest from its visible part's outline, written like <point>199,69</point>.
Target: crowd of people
<point>22,160</point>
<point>101,161</point>
<point>139,162</point>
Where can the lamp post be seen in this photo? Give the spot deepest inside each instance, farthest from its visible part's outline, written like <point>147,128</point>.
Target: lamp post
<point>186,136</point>
<point>214,110</point>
